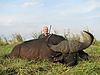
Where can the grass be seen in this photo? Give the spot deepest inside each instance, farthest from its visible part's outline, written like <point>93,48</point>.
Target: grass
<point>44,67</point>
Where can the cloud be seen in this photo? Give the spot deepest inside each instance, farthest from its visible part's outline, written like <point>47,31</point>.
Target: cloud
<point>20,20</point>
<point>76,10</point>
<point>8,5</point>
<point>96,3</point>
<point>31,3</point>
<point>72,8</point>
<point>10,20</point>
<point>6,20</point>
<point>28,4</point>
<point>21,4</point>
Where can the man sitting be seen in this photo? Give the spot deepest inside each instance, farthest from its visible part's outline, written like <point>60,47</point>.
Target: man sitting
<point>45,32</point>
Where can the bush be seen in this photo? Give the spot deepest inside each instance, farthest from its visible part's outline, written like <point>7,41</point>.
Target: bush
<point>3,41</point>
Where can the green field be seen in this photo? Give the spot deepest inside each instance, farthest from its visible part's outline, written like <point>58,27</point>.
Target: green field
<point>33,67</point>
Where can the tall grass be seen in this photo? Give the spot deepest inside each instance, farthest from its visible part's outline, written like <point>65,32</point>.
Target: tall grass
<point>36,35</point>
<point>3,41</point>
<point>16,38</point>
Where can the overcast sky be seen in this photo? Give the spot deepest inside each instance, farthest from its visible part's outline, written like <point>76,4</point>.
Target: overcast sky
<point>27,16</point>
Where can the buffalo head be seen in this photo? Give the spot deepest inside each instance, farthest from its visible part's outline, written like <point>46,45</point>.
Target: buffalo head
<point>69,46</point>
<point>71,49</point>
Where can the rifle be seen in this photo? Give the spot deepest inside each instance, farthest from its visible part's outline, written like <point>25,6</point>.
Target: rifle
<point>49,33</point>
<point>50,28</point>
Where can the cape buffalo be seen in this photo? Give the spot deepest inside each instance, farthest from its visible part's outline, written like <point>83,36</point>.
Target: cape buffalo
<point>51,48</point>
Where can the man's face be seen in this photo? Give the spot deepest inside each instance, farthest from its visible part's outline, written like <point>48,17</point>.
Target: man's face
<point>45,29</point>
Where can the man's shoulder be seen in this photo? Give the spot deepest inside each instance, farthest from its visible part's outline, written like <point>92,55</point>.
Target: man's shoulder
<point>41,36</point>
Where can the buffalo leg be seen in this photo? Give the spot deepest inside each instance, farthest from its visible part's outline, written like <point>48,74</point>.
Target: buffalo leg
<point>83,55</point>
<point>71,59</point>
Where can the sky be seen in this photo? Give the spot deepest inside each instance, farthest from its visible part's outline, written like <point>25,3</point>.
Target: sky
<point>29,16</point>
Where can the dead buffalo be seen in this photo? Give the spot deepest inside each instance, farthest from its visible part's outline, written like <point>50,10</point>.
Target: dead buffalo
<point>51,48</point>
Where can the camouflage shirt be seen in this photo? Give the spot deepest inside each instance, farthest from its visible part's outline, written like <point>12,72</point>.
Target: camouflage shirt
<point>42,36</point>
